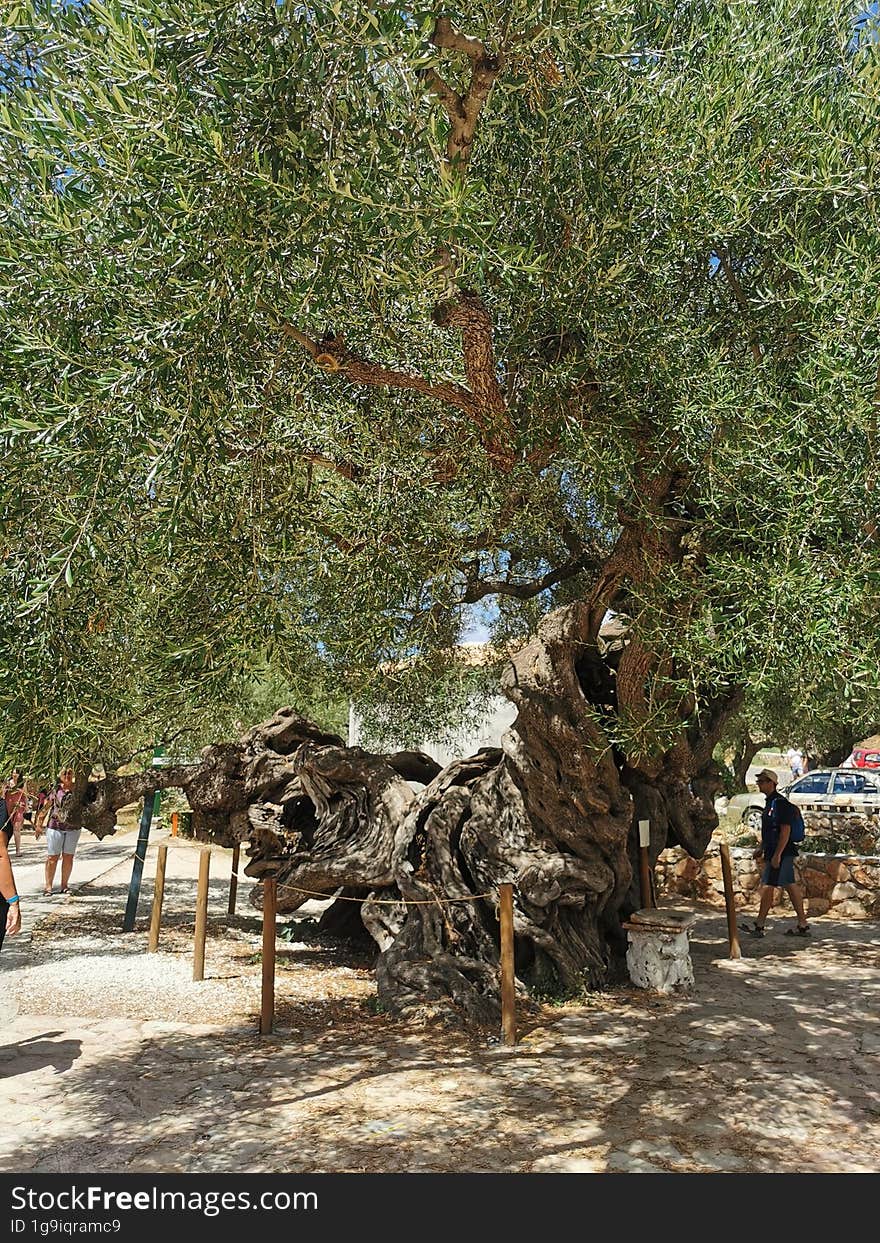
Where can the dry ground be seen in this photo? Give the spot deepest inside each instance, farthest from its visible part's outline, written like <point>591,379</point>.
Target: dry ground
<point>117,1060</point>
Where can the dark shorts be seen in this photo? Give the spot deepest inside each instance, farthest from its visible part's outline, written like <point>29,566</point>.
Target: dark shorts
<point>783,875</point>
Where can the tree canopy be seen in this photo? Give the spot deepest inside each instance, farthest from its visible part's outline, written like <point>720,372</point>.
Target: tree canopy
<point>322,326</point>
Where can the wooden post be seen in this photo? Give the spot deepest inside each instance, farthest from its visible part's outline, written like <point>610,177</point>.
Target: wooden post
<point>647,889</point>
<point>508,979</point>
<point>267,1004</point>
<point>727,876</point>
<point>158,894</point>
<point>151,807</point>
<point>201,917</point>
<point>233,882</point>
<point>174,820</point>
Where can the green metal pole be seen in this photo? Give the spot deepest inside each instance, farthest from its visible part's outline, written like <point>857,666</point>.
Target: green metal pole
<point>151,808</point>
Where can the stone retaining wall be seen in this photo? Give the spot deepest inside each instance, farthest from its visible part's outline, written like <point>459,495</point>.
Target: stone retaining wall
<point>860,830</point>
<point>847,886</point>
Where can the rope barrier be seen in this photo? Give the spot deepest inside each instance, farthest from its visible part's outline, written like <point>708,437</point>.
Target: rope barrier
<point>267,996</point>
<point>328,897</point>
<point>477,897</point>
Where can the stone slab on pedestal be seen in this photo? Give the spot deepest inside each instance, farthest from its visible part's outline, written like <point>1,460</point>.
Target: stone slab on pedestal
<point>658,955</point>
<point>670,918</point>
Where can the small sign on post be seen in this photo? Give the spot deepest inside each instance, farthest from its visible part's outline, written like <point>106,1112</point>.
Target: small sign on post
<point>647,889</point>
<point>508,978</point>
<point>201,917</point>
<point>267,1006</point>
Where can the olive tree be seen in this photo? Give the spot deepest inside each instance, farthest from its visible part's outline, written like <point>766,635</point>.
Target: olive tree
<point>324,326</point>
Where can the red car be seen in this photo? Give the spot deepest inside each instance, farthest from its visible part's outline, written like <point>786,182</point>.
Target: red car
<point>866,754</point>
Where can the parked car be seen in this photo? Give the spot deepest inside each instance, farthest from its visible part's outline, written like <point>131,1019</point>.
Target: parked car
<point>866,754</point>
<point>825,789</point>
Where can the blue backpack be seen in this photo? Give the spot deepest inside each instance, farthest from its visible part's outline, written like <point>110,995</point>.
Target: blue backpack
<point>797,825</point>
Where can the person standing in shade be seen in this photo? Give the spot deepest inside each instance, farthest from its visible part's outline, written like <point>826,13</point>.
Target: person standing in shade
<point>10,907</point>
<point>778,852</point>
<point>795,757</point>
<point>61,842</point>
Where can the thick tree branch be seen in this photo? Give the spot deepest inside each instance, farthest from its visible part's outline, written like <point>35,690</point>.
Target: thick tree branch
<point>331,354</point>
<point>450,99</point>
<point>413,766</point>
<point>648,537</point>
<point>482,401</point>
<point>463,110</point>
<point>446,36</point>
<point>704,734</point>
<point>745,751</point>
<point>300,338</point>
<point>467,312</point>
<point>478,588</point>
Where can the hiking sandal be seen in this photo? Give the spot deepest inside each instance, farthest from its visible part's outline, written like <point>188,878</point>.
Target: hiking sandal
<point>753,930</point>
<point>806,931</point>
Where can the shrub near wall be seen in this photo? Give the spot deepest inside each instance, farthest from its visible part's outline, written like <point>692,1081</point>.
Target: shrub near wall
<point>846,886</point>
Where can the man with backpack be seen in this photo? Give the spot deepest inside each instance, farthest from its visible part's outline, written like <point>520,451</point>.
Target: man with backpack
<point>782,826</point>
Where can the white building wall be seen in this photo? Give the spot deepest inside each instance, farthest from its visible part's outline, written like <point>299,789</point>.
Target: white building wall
<point>499,716</point>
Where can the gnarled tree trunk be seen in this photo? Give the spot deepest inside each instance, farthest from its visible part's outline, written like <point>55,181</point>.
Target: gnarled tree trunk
<point>554,811</point>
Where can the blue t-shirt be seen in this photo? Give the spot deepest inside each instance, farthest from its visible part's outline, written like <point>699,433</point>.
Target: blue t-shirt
<point>778,811</point>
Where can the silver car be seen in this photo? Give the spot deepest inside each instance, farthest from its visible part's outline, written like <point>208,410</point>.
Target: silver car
<point>826,789</point>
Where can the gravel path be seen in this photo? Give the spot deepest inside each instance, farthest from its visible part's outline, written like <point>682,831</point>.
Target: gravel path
<point>82,964</point>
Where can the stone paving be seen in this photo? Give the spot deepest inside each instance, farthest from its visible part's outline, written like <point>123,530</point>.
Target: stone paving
<point>772,1063</point>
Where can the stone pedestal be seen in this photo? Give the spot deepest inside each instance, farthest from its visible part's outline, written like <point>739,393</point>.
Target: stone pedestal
<point>659,955</point>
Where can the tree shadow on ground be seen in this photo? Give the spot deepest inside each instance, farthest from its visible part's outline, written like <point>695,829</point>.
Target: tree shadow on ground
<point>32,1053</point>
<point>766,1065</point>
<point>771,1064</point>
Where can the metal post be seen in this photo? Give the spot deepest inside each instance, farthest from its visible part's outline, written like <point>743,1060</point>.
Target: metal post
<point>233,882</point>
<point>267,1004</point>
<point>201,917</point>
<point>730,904</point>
<point>508,979</point>
<point>647,890</point>
<point>134,886</point>
<point>158,894</point>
